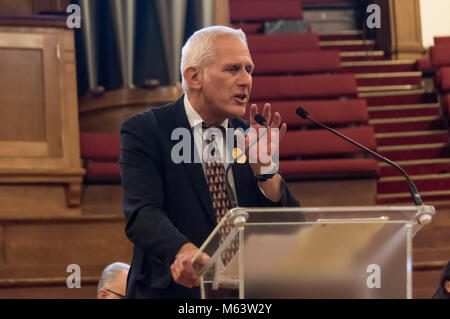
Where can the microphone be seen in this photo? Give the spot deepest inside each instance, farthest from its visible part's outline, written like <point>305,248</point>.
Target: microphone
<point>412,187</point>
<point>230,191</point>
<point>261,120</point>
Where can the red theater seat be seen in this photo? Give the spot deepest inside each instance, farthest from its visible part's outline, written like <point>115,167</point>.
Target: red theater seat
<point>440,55</point>
<point>101,170</point>
<point>330,112</point>
<point>424,64</point>
<point>249,28</point>
<point>342,167</point>
<point>446,104</point>
<point>442,78</point>
<point>100,152</point>
<point>445,78</point>
<point>298,149</point>
<point>296,62</point>
<point>283,42</point>
<point>261,10</point>
<point>441,40</point>
<point>322,142</point>
<point>326,1</point>
<point>303,87</point>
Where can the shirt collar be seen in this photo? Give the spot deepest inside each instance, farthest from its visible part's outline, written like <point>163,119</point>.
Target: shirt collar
<point>193,117</point>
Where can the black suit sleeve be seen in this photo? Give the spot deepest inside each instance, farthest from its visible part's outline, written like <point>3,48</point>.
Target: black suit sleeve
<point>286,200</point>
<point>147,223</point>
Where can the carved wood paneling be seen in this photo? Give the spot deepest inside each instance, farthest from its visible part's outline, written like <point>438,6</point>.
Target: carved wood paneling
<point>406,31</point>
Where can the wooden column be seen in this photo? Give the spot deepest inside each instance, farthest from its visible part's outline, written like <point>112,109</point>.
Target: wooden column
<point>40,166</point>
<point>405,29</point>
<point>222,13</point>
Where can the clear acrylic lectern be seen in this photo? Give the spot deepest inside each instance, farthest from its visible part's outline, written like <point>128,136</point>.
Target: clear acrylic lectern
<point>328,252</point>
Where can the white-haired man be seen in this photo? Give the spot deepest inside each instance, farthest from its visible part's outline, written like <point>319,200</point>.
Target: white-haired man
<point>170,206</point>
<point>113,281</point>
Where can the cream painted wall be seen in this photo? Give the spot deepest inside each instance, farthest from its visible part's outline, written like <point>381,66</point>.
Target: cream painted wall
<point>435,19</point>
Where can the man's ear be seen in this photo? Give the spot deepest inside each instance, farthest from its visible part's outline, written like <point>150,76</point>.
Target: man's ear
<point>447,286</point>
<point>193,77</point>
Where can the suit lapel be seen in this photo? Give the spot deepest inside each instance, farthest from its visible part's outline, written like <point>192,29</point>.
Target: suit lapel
<point>176,118</point>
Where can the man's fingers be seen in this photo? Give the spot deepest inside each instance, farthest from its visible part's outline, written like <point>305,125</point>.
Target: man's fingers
<point>267,112</point>
<point>283,131</point>
<point>253,112</point>
<point>183,271</point>
<point>276,120</point>
<point>187,265</point>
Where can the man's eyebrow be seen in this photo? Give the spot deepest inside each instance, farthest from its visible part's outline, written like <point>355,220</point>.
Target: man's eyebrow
<point>239,64</point>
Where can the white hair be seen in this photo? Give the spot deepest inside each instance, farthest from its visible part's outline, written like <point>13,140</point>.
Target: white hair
<point>198,49</point>
<point>110,273</point>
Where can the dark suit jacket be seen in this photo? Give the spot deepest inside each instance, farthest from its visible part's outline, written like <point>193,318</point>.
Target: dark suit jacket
<point>166,204</point>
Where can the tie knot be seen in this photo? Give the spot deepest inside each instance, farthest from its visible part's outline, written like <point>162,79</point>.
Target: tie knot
<point>211,135</point>
<point>206,126</point>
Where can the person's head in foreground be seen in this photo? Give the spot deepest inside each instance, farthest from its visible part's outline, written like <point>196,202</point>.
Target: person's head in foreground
<point>113,281</point>
<point>443,291</point>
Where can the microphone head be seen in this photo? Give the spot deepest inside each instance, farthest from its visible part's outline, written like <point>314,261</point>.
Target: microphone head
<point>302,113</point>
<point>260,119</point>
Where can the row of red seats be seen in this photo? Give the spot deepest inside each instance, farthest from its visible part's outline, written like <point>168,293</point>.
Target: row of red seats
<point>267,10</point>
<point>250,15</point>
<point>100,153</point>
<point>263,10</point>
<point>291,71</point>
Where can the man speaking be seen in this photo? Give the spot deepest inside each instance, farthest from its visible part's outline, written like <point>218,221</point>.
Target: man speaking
<point>170,206</point>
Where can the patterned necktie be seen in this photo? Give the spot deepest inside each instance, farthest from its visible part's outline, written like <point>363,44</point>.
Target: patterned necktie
<point>215,174</point>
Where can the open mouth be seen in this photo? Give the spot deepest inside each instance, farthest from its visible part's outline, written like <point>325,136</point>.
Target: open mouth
<point>241,98</point>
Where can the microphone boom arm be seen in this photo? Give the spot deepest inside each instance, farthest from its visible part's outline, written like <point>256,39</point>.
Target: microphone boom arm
<point>412,187</point>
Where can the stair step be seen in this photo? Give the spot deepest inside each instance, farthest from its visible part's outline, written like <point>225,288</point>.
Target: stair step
<point>384,88</point>
<point>407,110</point>
<point>386,108</point>
<point>421,168</point>
<point>405,197</point>
<point>424,183</point>
<point>403,120</point>
<point>348,45</point>
<point>364,54</point>
<point>379,66</point>
<point>419,162</point>
<point>341,35</point>
<point>389,78</point>
<point>407,124</point>
<point>421,96</point>
<point>401,148</point>
<point>415,137</point>
<point>414,151</point>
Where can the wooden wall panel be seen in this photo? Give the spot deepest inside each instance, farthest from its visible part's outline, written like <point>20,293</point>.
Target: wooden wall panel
<point>2,248</point>
<point>49,5</point>
<point>29,7</point>
<point>335,192</point>
<point>64,244</point>
<point>406,31</point>
<point>16,7</point>
<point>102,199</point>
<point>87,291</point>
<point>34,200</point>
<point>38,97</point>
<point>222,13</point>
<point>22,71</point>
<point>425,283</point>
